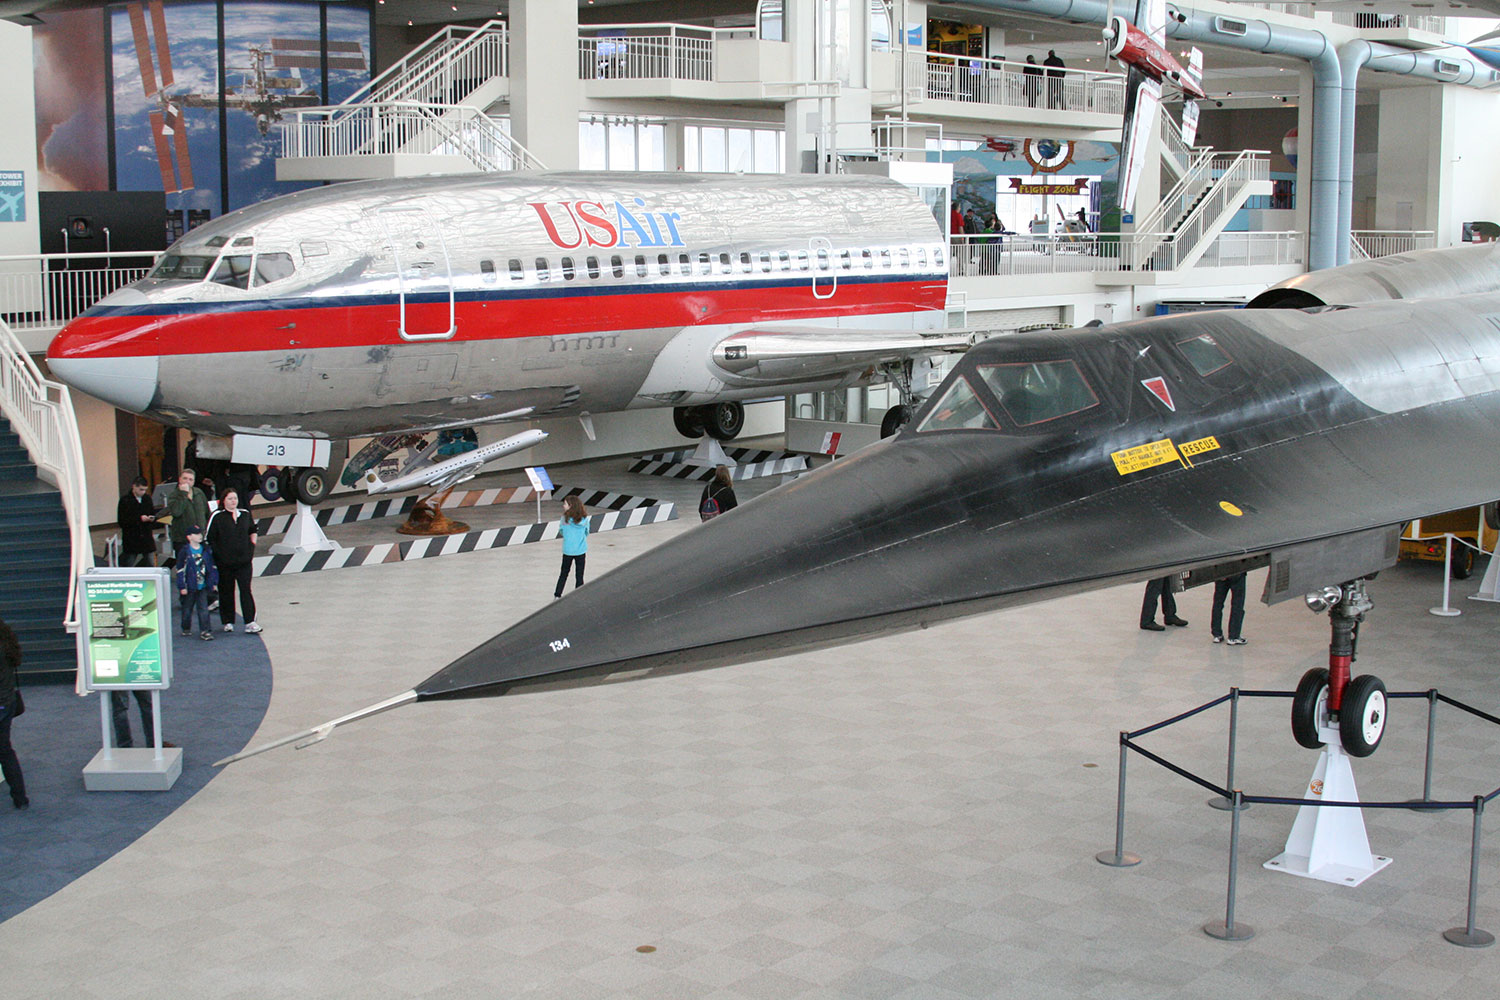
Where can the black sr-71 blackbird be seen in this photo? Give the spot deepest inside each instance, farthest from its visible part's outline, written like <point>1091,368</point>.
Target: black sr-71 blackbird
<point>1294,432</point>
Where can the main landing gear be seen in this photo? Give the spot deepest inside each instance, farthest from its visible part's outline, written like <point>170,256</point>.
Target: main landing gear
<point>720,421</point>
<point>309,486</point>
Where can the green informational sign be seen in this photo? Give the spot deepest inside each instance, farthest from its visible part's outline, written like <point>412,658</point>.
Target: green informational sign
<point>121,614</point>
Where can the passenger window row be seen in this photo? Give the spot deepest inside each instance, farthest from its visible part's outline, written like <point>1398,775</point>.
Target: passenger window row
<point>705,264</point>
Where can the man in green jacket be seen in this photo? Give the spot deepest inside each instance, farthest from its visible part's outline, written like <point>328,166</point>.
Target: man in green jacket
<point>188,506</point>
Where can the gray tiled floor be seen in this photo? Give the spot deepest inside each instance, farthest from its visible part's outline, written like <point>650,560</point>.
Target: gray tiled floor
<point>914,817</point>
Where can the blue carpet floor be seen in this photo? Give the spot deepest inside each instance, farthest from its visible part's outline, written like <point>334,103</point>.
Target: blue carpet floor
<point>218,697</point>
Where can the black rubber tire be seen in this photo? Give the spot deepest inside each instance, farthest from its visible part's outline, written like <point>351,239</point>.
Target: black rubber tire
<point>273,484</point>
<point>1492,515</point>
<point>688,421</point>
<point>723,421</point>
<point>1462,566</point>
<point>1310,690</point>
<point>1362,716</point>
<point>895,418</point>
<point>311,486</point>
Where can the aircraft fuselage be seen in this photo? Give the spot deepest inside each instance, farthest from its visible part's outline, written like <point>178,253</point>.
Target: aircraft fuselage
<point>364,308</point>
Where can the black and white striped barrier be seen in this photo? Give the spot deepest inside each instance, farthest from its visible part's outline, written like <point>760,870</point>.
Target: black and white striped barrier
<point>641,511</point>
<point>750,463</point>
<point>395,507</point>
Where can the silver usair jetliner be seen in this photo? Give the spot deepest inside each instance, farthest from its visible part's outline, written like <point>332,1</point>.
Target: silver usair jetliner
<point>371,308</point>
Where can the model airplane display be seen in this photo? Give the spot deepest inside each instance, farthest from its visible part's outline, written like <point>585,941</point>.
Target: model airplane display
<point>1142,47</point>
<point>382,307</point>
<point>461,468</point>
<point>1055,462</point>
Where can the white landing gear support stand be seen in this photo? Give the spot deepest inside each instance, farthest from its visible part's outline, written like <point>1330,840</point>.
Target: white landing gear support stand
<point>304,534</point>
<point>709,453</point>
<point>1347,719</point>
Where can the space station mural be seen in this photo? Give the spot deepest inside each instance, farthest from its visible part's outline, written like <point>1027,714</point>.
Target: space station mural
<point>158,74</point>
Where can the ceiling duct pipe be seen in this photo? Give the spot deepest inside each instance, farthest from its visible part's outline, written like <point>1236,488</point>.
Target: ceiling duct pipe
<point>1353,56</point>
<point>1251,35</point>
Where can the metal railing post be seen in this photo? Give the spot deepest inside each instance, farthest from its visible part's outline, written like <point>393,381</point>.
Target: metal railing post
<point>1224,801</point>
<point>1445,611</point>
<point>1469,936</point>
<point>1118,858</point>
<point>1227,929</point>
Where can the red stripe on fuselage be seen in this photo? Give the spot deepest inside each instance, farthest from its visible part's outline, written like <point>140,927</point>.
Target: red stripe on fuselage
<point>315,327</point>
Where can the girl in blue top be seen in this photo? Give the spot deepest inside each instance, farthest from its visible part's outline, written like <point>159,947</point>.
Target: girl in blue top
<point>575,536</point>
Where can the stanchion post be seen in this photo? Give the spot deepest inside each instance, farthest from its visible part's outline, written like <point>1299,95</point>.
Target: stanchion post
<point>1118,858</point>
<point>1445,611</point>
<point>1224,801</point>
<point>1431,736</point>
<point>1227,929</point>
<point>1469,936</point>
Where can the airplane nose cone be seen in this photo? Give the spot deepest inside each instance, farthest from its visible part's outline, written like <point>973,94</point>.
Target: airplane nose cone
<point>128,383</point>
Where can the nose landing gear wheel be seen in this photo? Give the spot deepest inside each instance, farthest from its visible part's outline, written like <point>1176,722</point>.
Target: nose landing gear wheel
<point>1362,717</point>
<point>311,485</point>
<point>1309,705</point>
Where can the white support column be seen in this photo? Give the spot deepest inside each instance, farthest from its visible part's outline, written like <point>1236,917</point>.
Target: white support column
<point>545,91</point>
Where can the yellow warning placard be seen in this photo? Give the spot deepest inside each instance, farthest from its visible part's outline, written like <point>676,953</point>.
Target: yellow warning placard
<point>1199,446</point>
<point>1145,456</point>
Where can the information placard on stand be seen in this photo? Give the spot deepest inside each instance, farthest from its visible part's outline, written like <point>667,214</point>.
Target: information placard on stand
<point>124,644</point>
<point>541,483</point>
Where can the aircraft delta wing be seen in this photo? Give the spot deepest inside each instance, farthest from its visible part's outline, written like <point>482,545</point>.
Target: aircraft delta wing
<point>389,306</point>
<point>1055,462</point>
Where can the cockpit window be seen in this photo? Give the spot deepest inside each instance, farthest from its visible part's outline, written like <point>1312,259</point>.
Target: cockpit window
<point>1035,391</point>
<point>271,267</point>
<point>1204,354</point>
<point>233,271</point>
<point>182,267</point>
<point>958,409</point>
<point>218,241</point>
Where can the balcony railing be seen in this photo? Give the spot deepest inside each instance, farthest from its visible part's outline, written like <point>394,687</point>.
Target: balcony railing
<point>1365,244</point>
<point>1007,84</point>
<point>443,69</point>
<point>407,128</point>
<point>652,51</point>
<point>44,291</point>
<point>1371,21</point>
<point>1021,254</point>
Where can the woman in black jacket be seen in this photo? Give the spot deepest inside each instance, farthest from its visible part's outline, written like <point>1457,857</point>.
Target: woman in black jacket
<point>231,535</point>
<point>10,700</point>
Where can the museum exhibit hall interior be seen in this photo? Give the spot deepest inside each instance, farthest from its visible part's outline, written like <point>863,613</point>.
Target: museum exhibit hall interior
<point>913,499</point>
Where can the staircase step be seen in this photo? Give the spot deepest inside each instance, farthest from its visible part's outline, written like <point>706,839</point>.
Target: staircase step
<point>36,602</point>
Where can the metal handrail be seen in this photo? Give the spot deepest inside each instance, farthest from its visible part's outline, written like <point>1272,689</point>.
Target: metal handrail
<point>419,64</point>
<point>1167,253</point>
<point>44,291</point>
<point>41,413</point>
<point>997,255</point>
<point>970,79</point>
<point>1365,244</point>
<point>410,127</point>
<point>652,51</point>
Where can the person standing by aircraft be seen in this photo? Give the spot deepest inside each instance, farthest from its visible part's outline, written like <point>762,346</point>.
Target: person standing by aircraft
<point>137,519</point>
<point>574,530</point>
<point>718,495</point>
<point>197,576</point>
<point>231,536</point>
<point>1161,587</point>
<point>188,506</point>
<point>1232,587</point>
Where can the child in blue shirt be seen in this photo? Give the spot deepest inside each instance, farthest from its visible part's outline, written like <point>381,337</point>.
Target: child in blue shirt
<point>197,577</point>
<point>575,536</point>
